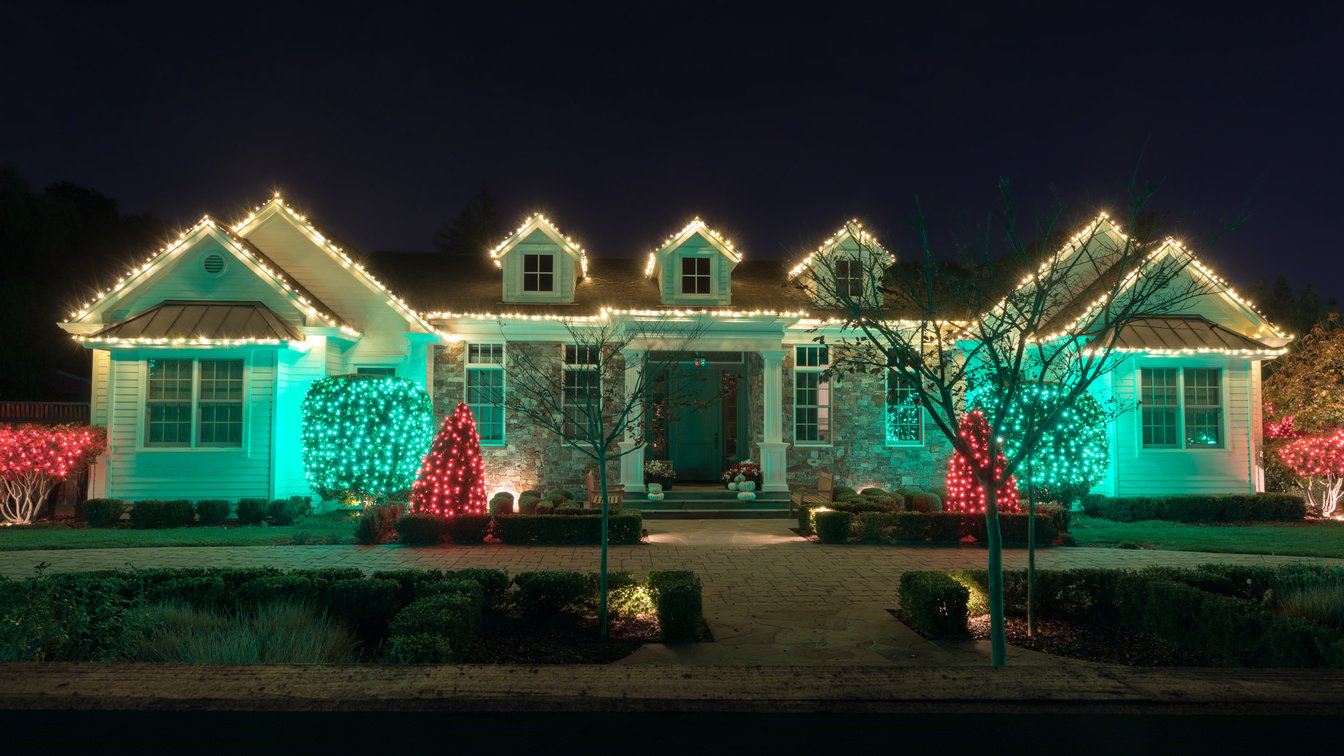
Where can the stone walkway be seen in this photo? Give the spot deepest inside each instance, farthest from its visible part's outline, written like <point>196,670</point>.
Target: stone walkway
<point>770,597</point>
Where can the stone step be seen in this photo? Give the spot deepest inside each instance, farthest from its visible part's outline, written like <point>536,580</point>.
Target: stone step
<point>714,514</point>
<point>707,495</point>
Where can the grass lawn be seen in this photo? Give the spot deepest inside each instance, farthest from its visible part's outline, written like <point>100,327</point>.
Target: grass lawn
<point>1318,538</point>
<point>334,527</point>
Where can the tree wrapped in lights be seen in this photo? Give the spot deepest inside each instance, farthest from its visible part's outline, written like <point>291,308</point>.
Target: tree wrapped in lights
<point>1318,461</point>
<point>1073,452</point>
<point>364,434</point>
<point>452,477</point>
<point>34,458</point>
<point>965,491</point>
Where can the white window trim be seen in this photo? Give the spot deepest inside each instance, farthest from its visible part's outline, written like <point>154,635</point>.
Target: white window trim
<point>468,366</point>
<point>1180,410</point>
<point>143,396</point>
<point>830,404</point>
<point>886,409</point>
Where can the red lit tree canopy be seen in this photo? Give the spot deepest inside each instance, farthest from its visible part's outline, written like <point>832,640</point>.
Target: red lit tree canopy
<point>1319,463</point>
<point>965,492</point>
<point>33,458</point>
<point>452,477</point>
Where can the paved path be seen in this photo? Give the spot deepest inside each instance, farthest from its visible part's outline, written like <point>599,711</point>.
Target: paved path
<point>770,597</point>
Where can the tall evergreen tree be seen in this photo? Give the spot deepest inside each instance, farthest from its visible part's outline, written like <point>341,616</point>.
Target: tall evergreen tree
<point>474,231</point>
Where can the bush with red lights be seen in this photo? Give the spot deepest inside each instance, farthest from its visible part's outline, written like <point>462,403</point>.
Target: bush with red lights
<point>34,458</point>
<point>452,476</point>
<point>1318,461</point>
<point>965,492</point>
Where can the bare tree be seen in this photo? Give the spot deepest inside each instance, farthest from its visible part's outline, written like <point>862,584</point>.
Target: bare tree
<point>591,392</point>
<point>1002,313</point>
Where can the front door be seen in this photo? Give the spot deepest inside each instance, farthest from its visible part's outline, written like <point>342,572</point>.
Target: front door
<point>695,428</point>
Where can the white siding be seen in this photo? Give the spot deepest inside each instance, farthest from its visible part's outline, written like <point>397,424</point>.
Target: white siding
<point>538,243</point>
<point>1140,471</point>
<point>721,268</point>
<point>139,473</point>
<point>296,373</point>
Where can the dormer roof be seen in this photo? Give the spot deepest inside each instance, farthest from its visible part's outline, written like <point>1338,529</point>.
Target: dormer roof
<point>538,223</point>
<point>680,238</point>
<point>853,230</point>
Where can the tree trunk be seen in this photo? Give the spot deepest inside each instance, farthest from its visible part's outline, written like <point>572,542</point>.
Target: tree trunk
<point>602,579</point>
<point>998,639</point>
<point>1031,562</point>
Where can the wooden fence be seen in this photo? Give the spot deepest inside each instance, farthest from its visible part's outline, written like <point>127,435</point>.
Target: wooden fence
<point>48,413</point>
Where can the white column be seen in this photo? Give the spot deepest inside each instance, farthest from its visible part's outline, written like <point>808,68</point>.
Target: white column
<point>632,460</point>
<point>774,461</point>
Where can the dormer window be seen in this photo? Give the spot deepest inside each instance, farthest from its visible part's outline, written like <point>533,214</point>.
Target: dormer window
<point>695,278</point>
<point>538,273</point>
<point>848,278</point>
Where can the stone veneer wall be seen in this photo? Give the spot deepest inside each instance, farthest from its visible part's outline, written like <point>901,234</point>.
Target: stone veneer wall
<point>533,457</point>
<point>858,454</point>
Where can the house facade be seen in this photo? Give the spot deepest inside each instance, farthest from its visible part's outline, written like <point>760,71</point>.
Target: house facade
<point>203,354</point>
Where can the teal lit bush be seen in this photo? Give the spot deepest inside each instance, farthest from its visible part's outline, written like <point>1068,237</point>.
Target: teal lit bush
<point>365,434</point>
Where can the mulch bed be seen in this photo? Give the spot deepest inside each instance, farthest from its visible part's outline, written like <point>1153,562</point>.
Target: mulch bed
<point>1103,644</point>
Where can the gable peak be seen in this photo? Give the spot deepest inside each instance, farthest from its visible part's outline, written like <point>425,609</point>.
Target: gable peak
<point>720,242</point>
<point>852,229</point>
<point>538,221</point>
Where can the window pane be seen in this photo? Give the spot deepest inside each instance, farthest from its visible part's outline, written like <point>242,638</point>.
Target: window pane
<point>903,411</point>
<point>220,419</point>
<point>1160,402</point>
<point>485,354</point>
<point>168,403</point>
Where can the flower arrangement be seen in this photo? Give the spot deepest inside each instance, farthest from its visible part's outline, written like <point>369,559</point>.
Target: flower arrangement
<point>659,468</point>
<point>744,470</point>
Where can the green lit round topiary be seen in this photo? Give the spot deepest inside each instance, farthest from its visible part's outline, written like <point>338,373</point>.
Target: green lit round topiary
<point>364,434</point>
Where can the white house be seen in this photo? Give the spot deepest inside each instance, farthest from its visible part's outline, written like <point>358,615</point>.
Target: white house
<point>202,355</point>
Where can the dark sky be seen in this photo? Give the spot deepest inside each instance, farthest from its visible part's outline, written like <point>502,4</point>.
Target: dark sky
<point>381,120</point>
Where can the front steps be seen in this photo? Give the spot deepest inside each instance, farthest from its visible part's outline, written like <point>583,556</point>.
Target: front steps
<point>704,503</point>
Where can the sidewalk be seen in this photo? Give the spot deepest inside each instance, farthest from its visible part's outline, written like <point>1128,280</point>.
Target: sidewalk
<point>770,598</point>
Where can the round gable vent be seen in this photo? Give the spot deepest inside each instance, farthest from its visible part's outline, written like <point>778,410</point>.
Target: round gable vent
<point>214,264</point>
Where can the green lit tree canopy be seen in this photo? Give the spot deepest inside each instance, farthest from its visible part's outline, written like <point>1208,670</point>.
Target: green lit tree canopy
<point>365,434</point>
<point>1073,453</point>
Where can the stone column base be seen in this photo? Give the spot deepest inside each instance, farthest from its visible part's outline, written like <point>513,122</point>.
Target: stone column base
<point>632,466</point>
<point>774,465</point>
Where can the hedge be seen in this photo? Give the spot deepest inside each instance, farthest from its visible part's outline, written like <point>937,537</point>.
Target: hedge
<point>1165,603</point>
<point>103,513</point>
<point>832,526</point>
<point>677,599</point>
<point>1275,507</point>
<point>623,528</point>
<point>154,514</point>
<point>935,603</point>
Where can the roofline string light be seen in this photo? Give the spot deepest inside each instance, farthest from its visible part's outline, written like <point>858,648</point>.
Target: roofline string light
<point>607,312</point>
<point>325,243</point>
<point>179,341</point>
<point>240,245</point>
<point>538,220</point>
<point>695,225</point>
<point>835,239</point>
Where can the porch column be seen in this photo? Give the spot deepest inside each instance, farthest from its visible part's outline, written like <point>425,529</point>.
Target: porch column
<point>632,449</point>
<point>774,461</point>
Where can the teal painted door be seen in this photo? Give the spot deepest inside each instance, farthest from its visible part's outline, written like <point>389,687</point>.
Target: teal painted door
<point>696,436</point>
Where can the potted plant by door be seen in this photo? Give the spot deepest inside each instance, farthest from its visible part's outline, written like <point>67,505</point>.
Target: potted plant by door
<point>659,471</point>
<point>745,471</point>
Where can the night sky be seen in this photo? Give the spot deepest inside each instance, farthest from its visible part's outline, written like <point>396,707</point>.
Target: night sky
<point>381,120</point>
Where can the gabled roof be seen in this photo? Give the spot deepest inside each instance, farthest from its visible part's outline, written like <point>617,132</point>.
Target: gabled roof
<point>851,230</point>
<point>539,222</point>
<point>723,245</point>
<point>325,242</point>
<point>240,247</point>
<point>200,322</point>
<point>1182,333</point>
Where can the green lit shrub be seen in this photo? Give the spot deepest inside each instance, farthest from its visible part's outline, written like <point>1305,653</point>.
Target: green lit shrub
<point>417,529</point>
<point>935,604</point>
<point>213,512</point>
<point>252,511</point>
<point>376,525</point>
<point>365,434</point>
<point>103,513</point>
<point>677,598</point>
<point>550,591</point>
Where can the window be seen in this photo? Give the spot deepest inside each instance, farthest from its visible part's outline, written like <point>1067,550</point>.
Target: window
<point>848,278</point>
<point>385,371</point>
<point>811,396</point>
<point>485,391</point>
<point>204,395</point>
<point>695,275</point>
<point>539,273</point>
<point>904,413</point>
<point>1172,398</point>
<point>581,388</point>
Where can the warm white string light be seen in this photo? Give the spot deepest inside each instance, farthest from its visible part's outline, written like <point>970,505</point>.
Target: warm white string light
<point>723,243</point>
<point>535,221</point>
<point>864,238</point>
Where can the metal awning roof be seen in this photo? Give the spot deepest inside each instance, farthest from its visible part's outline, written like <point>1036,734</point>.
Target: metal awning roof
<point>1184,333</point>
<point>202,320</point>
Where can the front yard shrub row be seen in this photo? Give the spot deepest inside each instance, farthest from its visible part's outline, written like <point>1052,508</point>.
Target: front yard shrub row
<point>1277,507</point>
<point>182,513</point>
<point>399,616</point>
<point>834,526</point>
<point>379,523</point>
<point>1239,623</point>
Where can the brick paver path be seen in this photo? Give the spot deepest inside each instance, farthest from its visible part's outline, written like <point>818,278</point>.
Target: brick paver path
<point>770,597</point>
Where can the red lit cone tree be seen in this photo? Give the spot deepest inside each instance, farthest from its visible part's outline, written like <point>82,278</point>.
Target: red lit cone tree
<point>452,477</point>
<point>965,491</point>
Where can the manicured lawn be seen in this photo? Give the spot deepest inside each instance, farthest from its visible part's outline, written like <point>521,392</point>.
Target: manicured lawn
<point>318,529</point>
<point>1320,538</point>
